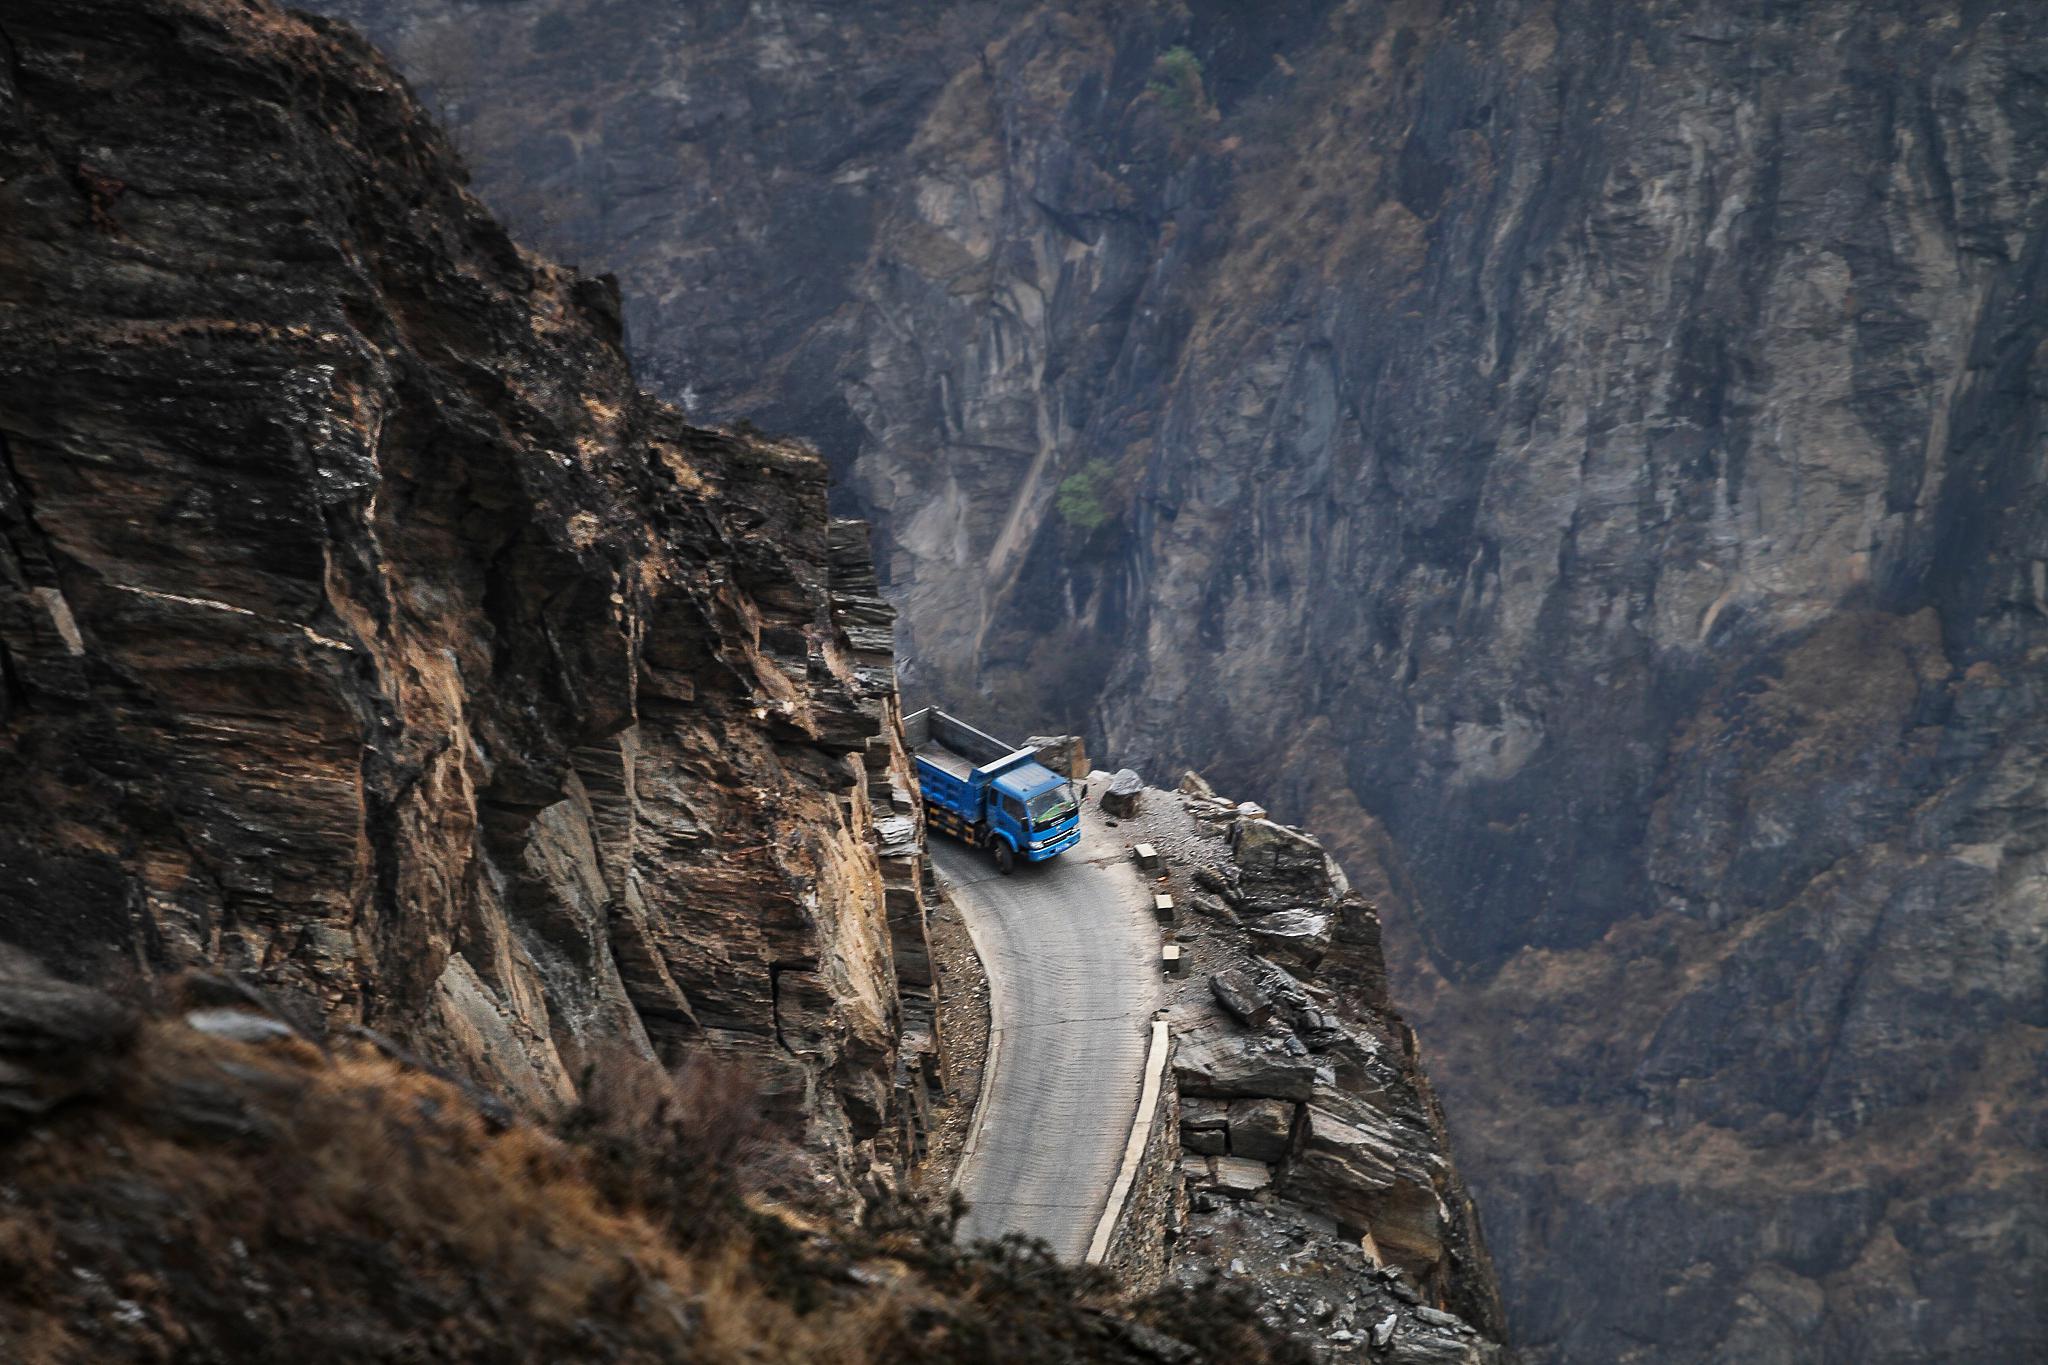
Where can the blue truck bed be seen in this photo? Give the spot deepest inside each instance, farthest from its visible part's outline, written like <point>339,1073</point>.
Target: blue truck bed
<point>978,789</point>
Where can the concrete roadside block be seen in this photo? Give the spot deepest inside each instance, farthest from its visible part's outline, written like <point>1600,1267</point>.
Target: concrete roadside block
<point>1146,856</point>
<point>1172,960</point>
<point>1162,908</point>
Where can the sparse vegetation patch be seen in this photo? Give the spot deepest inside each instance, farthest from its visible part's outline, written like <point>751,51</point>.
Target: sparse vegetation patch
<point>1080,500</point>
<point>1177,80</point>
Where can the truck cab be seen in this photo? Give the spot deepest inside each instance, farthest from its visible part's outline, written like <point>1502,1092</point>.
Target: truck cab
<point>1037,811</point>
<point>977,789</point>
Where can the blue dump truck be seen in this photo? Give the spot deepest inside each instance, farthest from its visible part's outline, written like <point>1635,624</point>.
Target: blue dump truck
<point>978,789</point>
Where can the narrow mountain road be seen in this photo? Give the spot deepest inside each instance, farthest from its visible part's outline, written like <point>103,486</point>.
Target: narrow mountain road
<point>1071,953</point>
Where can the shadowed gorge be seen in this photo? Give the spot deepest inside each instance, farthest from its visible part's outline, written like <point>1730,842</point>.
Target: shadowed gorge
<point>1585,458</point>
<point>463,881</point>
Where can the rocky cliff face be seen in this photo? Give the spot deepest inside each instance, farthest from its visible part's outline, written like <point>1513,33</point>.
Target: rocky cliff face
<point>1314,1158</point>
<point>366,631</point>
<point>1585,456</point>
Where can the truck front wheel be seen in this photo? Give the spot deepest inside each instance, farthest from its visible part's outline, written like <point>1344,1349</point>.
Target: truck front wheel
<point>1006,857</point>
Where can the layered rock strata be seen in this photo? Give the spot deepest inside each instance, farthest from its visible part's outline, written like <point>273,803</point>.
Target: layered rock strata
<point>365,631</point>
<point>1583,456</point>
<point>1316,1166</point>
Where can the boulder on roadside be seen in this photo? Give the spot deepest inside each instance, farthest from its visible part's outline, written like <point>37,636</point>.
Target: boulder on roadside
<point>1279,867</point>
<point>1193,783</point>
<point>1300,936</point>
<point>1228,1065</point>
<point>1238,994</point>
<point>1125,791</point>
<point>1261,1129</point>
<point>1066,755</point>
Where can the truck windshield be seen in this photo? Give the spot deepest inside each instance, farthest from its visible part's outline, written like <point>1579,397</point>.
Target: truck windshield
<point>1051,806</point>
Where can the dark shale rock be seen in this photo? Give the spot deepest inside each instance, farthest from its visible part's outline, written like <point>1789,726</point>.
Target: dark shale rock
<point>1298,936</point>
<point>1229,1065</point>
<point>1222,884</point>
<point>1344,1165</point>
<point>1261,1129</point>
<point>58,1041</point>
<point>1204,1115</point>
<point>1279,868</point>
<point>1236,992</point>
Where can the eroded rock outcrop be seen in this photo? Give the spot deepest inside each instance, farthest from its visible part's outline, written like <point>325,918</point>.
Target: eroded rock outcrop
<point>365,631</point>
<point>1316,1161</point>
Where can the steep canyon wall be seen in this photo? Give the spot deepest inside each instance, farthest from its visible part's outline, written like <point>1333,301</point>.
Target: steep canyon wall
<point>1587,457</point>
<point>365,630</point>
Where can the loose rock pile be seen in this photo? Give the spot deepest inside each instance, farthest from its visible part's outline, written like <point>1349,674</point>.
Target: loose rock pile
<point>1316,1166</point>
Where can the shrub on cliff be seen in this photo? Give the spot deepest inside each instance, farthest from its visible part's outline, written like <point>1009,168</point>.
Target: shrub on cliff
<point>1177,80</point>
<point>682,1148</point>
<point>1176,86</point>
<point>1080,498</point>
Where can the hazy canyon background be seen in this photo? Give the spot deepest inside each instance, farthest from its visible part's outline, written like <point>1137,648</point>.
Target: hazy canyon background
<point>1584,457</point>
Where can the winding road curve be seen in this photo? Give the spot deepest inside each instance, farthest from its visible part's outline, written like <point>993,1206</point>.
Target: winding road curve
<point>1071,953</point>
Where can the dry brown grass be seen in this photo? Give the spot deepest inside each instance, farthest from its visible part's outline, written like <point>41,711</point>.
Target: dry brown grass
<point>372,1212</point>
<point>272,1202</point>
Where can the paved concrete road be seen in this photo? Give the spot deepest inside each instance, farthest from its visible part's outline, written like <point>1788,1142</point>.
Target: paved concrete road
<point>1071,953</point>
